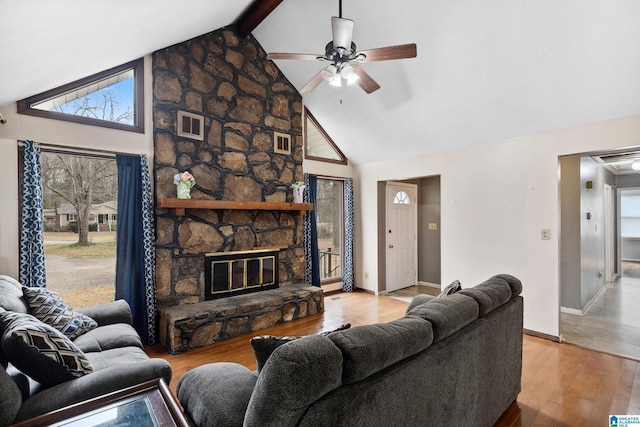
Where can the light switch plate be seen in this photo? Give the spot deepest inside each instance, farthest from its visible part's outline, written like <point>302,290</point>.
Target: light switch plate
<point>433,226</point>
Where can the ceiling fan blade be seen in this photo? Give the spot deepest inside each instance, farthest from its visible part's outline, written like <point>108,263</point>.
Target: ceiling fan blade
<point>365,81</point>
<point>342,31</point>
<point>313,83</point>
<point>297,56</point>
<point>400,51</point>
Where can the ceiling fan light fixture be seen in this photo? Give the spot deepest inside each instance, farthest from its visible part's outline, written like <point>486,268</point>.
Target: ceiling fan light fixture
<point>347,71</point>
<point>341,52</point>
<point>635,165</point>
<point>329,73</point>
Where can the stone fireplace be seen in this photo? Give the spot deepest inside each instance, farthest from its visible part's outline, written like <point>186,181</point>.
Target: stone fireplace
<point>245,101</point>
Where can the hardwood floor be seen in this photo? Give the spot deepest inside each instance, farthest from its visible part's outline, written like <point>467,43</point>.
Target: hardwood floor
<point>562,384</point>
<point>612,324</point>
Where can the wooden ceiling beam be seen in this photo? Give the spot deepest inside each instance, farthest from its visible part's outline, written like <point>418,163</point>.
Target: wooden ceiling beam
<point>254,15</point>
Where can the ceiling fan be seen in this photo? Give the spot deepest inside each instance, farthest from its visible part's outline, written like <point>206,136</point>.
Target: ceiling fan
<point>341,52</point>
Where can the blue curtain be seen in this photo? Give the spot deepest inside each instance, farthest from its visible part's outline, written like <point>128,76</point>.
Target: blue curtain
<point>348,285</point>
<point>311,253</point>
<point>135,257</point>
<point>32,268</point>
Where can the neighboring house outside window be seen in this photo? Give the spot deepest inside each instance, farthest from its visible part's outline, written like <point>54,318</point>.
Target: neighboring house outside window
<point>102,215</point>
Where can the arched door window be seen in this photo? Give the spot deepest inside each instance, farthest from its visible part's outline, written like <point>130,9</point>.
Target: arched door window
<point>401,198</point>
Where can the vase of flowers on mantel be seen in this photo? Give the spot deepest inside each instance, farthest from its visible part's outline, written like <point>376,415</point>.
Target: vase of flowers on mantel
<point>298,191</point>
<point>184,182</point>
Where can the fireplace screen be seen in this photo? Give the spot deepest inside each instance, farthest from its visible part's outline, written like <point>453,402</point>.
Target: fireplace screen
<point>233,273</point>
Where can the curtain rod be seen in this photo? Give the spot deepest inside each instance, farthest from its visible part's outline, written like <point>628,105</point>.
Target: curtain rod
<point>65,149</point>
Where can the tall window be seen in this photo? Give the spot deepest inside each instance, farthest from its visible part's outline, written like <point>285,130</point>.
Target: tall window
<point>80,204</point>
<point>113,98</point>
<point>330,224</point>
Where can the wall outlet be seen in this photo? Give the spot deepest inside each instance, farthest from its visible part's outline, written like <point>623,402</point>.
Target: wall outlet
<point>545,234</point>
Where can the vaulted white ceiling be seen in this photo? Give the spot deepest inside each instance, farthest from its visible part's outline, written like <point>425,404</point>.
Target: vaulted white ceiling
<point>485,70</point>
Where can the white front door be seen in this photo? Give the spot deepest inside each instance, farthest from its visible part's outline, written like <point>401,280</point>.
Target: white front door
<point>402,244</point>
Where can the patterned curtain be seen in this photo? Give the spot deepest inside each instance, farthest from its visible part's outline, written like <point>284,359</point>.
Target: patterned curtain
<point>135,251</point>
<point>348,236</point>
<point>32,268</point>
<point>311,253</point>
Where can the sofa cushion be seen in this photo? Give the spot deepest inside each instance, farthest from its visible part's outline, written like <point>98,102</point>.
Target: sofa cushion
<point>11,295</point>
<point>448,315</point>
<point>49,307</point>
<point>295,375</point>
<point>40,351</point>
<point>108,337</point>
<point>10,398</point>
<point>451,288</point>
<point>229,387</point>
<point>371,348</point>
<point>264,345</point>
<point>417,300</point>
<point>115,357</point>
<point>489,295</point>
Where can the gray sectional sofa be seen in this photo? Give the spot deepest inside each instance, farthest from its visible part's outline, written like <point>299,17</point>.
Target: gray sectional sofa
<point>454,360</point>
<point>104,353</point>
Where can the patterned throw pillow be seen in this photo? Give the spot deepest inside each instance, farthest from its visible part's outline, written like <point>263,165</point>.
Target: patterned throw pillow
<point>264,345</point>
<point>40,351</point>
<point>50,308</point>
<point>451,288</point>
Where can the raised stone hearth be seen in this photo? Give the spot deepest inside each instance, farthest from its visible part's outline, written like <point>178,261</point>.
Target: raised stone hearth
<point>189,326</point>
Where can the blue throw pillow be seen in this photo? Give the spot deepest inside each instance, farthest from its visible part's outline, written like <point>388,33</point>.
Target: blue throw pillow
<point>49,307</point>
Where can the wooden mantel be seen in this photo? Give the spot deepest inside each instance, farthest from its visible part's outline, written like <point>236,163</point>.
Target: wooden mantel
<point>179,206</point>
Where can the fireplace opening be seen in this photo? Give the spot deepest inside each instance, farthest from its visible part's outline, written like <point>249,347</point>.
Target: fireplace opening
<point>235,273</point>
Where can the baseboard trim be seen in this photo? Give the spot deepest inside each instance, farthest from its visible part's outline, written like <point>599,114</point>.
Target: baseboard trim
<point>571,311</point>
<point>586,307</point>
<point>541,335</point>
<point>429,284</point>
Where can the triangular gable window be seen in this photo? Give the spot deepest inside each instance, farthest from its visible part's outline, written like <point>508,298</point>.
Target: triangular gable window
<point>318,145</point>
<point>113,98</point>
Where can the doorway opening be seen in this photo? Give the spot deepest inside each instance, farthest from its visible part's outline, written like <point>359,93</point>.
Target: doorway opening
<point>330,226</point>
<point>599,225</point>
<point>426,228</point>
<point>630,232</point>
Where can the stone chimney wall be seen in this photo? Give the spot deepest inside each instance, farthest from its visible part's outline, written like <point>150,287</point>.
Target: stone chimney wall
<point>244,98</point>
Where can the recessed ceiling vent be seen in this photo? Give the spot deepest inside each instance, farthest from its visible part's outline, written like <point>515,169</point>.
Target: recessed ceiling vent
<point>618,163</point>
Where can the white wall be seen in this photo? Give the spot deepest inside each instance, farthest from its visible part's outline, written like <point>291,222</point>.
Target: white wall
<point>496,198</point>
<point>23,127</point>
<point>315,167</point>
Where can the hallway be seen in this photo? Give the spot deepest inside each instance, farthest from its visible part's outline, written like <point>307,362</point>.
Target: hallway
<point>612,324</point>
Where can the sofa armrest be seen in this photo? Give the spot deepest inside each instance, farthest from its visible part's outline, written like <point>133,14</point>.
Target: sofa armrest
<point>228,389</point>
<point>93,385</point>
<point>109,313</point>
